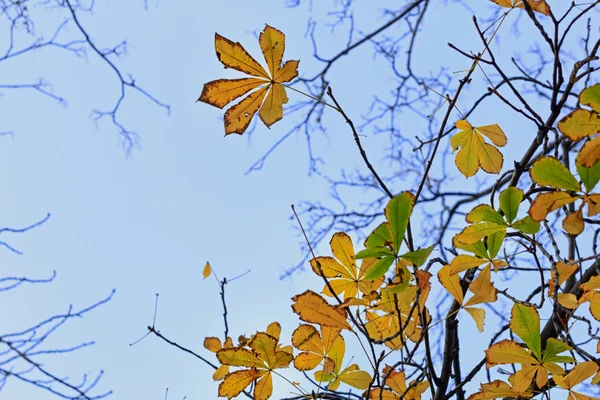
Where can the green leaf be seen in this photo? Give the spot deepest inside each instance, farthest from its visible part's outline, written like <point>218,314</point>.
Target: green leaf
<point>553,348</point>
<point>380,236</point>
<point>398,212</point>
<point>483,212</point>
<point>548,171</point>
<point>494,242</point>
<point>589,176</point>
<point>477,248</point>
<point>526,225</point>
<point>525,323</point>
<point>380,268</point>
<point>510,199</point>
<point>373,252</point>
<point>418,257</point>
<point>476,232</point>
<point>591,97</point>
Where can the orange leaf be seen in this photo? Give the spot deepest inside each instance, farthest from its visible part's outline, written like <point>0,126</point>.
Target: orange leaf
<point>589,153</point>
<point>536,5</point>
<point>206,271</point>
<point>314,309</point>
<point>547,202</point>
<point>221,92</point>
<point>237,381</point>
<point>573,223</point>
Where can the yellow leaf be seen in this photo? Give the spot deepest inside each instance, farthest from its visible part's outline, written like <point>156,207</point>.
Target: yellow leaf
<point>314,309</point>
<point>536,5</point>
<point>568,300</point>
<point>579,124</point>
<point>270,98</point>
<point>206,271</point>
<point>264,387</point>
<point>589,153</point>
<point>474,152</point>
<point>233,55</point>
<point>547,202</point>
<point>578,374</point>
<point>474,233</point>
<point>356,379</point>
<point>378,394</point>
<point>239,357</point>
<point>451,283</point>
<point>220,372</point>
<point>508,352</point>
<point>221,92</point>
<point>237,118</point>
<point>573,223</point>
<point>522,378</point>
<point>478,315</point>
<point>235,382</point>
<point>274,329</point>
<point>564,272</point>
<point>212,344</point>
<point>593,203</point>
<point>464,262</point>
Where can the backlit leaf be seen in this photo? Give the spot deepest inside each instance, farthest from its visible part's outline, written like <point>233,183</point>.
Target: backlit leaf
<point>381,267</point>
<point>474,153</point>
<point>536,5</point>
<point>397,212</point>
<point>548,171</point>
<point>483,212</point>
<point>314,309</point>
<point>206,271</point>
<point>418,257</point>
<point>525,323</point>
<point>527,225</point>
<point>463,262</point>
<point>547,202</point>
<point>591,97</point>
<point>589,153</point>
<point>589,176</point>
<point>507,352</point>
<point>510,199</point>
<point>578,374</point>
<point>270,95</point>
<point>579,124</point>
<point>237,381</point>
<point>573,223</point>
<point>478,315</point>
<point>476,232</point>
<point>451,283</point>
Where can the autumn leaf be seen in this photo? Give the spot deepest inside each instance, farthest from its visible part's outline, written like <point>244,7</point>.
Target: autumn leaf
<point>577,375</point>
<point>547,202</point>
<point>315,347</point>
<point>351,375</point>
<point>342,272</point>
<point>539,6</point>
<point>579,124</point>
<point>314,309</point>
<point>498,389</point>
<point>591,97</point>
<point>474,152</point>
<point>213,344</point>
<point>269,94</point>
<point>206,271</point>
<point>548,171</point>
<point>260,359</point>
<point>396,381</point>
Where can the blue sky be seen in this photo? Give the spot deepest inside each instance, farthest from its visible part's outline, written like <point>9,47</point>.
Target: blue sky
<point>147,224</point>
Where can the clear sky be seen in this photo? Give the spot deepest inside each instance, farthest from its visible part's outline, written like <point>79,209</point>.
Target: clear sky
<point>147,224</point>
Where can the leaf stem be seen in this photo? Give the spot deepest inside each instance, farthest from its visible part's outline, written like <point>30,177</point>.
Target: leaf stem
<point>312,97</point>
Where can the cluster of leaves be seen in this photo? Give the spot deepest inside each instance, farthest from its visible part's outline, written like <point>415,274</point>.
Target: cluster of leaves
<point>379,294</point>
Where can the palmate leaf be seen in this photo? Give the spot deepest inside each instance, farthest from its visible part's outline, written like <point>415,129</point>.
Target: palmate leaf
<point>269,94</point>
<point>474,152</point>
<point>314,309</point>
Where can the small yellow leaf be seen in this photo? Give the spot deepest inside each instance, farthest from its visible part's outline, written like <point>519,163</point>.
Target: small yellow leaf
<point>474,152</point>
<point>478,315</point>
<point>213,344</point>
<point>356,379</point>
<point>314,309</point>
<point>274,329</point>
<point>451,283</point>
<point>593,203</point>
<point>220,372</point>
<point>573,223</point>
<point>206,271</point>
